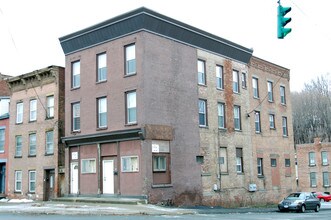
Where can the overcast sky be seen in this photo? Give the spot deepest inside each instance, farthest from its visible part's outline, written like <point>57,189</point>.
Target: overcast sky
<point>30,29</point>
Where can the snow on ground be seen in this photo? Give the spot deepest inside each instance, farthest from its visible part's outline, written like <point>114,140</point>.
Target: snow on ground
<point>20,200</point>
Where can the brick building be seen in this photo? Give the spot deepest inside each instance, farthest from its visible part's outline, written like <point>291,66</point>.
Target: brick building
<point>36,123</point>
<point>314,166</point>
<point>4,134</point>
<point>159,109</point>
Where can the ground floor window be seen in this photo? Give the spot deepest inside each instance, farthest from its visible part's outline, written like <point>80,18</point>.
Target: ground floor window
<point>159,163</point>
<point>130,164</point>
<point>32,181</point>
<point>88,166</point>
<point>18,181</point>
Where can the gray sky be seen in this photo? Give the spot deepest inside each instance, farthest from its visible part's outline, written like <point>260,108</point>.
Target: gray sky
<point>29,29</point>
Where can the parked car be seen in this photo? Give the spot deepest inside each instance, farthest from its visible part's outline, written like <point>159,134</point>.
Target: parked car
<point>322,196</point>
<point>300,202</point>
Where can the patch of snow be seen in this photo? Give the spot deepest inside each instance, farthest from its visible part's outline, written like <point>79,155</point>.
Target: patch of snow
<point>20,200</point>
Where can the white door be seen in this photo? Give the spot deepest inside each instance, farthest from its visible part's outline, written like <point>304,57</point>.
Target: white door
<point>74,178</point>
<point>108,176</point>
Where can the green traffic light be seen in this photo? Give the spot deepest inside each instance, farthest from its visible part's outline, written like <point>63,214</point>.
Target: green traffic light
<point>282,21</point>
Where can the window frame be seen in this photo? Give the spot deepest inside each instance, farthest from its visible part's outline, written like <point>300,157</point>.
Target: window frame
<point>312,159</point>
<point>74,118</point>
<point>201,75</point>
<point>49,143</point>
<point>273,162</point>
<point>75,74</point>
<point>270,91</point>
<point>219,77</point>
<point>129,170</point>
<point>239,160</point>
<point>102,112</point>
<point>324,158</point>
<point>237,108</point>
<point>260,166</point>
<point>235,81</point>
<point>32,182</point>
<point>2,139</point>
<point>102,69</point>
<point>313,179</point>
<point>18,180</point>
<point>130,108</point>
<point>257,118</point>
<point>255,87</point>
<point>287,162</point>
<point>221,115</point>
<point>33,110</point>
<point>128,72</point>
<point>50,106</point>
<point>157,162</point>
<point>19,112</point>
<point>244,80</point>
<point>326,179</point>
<point>18,148</point>
<point>272,124</point>
<point>31,144</point>
<point>282,94</point>
<point>89,165</point>
<point>284,126</point>
<point>203,113</point>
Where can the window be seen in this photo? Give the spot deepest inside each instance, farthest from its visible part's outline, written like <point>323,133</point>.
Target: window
<point>18,147</point>
<point>49,142</point>
<point>33,110</point>
<point>255,82</point>
<point>235,85</point>
<point>287,162</point>
<point>130,59</point>
<point>284,125</point>
<point>272,121</point>
<point>18,181</point>
<point>130,164</point>
<point>32,144</point>
<point>282,95</point>
<point>221,115</point>
<point>326,182</point>
<point>50,106</point>
<point>159,163</point>
<point>75,74</point>
<point>324,155</point>
<point>244,80</point>
<point>239,160</point>
<point>219,77</point>
<point>223,160</point>
<point>270,92</point>
<point>2,139</point>
<point>313,179</point>
<point>202,112</point>
<point>273,162</point>
<point>237,118</point>
<point>260,166</point>
<point>131,107</point>
<point>19,112</point>
<point>32,181</point>
<point>102,112</point>
<point>102,67</point>
<point>4,106</point>
<point>312,161</point>
<point>257,122</point>
<point>76,117</point>
<point>201,72</point>
<point>88,166</point>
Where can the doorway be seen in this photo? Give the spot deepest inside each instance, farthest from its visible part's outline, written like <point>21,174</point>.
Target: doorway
<point>74,178</point>
<point>49,184</point>
<point>108,176</point>
<point>2,178</point>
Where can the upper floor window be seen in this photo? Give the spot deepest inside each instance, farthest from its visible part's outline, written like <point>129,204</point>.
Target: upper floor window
<point>33,110</point>
<point>32,144</point>
<point>237,118</point>
<point>312,161</point>
<point>201,72</point>
<point>255,82</point>
<point>102,67</point>
<point>130,59</point>
<point>75,74</point>
<point>202,112</point>
<point>260,166</point>
<point>239,160</point>
<point>2,139</point>
<point>221,115</point>
<point>284,125</point>
<point>102,112</point>
<point>49,142</point>
<point>219,77</point>
<point>272,121</point>
<point>50,106</point>
<point>324,155</point>
<point>244,80</point>
<point>282,95</point>
<point>18,147</point>
<point>131,107</point>
<point>273,162</point>
<point>257,122</point>
<point>235,84</point>
<point>19,112</point>
<point>287,162</point>
<point>270,92</point>
<point>76,117</point>
<point>4,106</point>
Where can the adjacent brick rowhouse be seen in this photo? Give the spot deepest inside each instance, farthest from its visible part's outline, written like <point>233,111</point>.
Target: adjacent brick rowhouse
<point>305,168</point>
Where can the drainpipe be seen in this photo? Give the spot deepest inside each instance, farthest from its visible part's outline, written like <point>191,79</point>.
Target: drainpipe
<point>118,168</point>
<point>99,168</point>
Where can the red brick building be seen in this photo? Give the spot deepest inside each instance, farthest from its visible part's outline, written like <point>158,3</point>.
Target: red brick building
<point>36,123</point>
<point>314,170</point>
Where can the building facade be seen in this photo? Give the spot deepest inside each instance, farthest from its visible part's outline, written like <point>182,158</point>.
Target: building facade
<point>4,134</point>
<point>314,169</point>
<point>37,116</point>
<point>157,108</point>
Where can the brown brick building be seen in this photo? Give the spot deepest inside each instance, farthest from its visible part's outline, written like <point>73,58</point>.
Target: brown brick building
<point>159,109</point>
<point>314,166</point>
<point>4,134</point>
<point>36,123</point>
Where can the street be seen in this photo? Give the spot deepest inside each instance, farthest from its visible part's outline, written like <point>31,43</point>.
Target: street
<point>322,215</point>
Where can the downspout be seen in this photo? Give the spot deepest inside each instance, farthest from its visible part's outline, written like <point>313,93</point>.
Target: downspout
<point>118,168</point>
<point>98,171</point>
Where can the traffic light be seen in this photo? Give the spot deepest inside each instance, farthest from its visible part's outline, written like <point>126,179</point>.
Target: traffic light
<point>282,21</point>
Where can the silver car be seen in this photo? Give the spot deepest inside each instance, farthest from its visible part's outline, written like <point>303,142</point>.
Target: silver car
<point>300,202</point>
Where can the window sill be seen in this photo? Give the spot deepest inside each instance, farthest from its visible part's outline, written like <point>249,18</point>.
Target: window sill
<point>222,129</point>
<point>241,173</point>
<point>224,173</point>
<point>258,132</point>
<point>49,118</point>
<point>101,129</point>
<point>273,129</point>
<point>131,124</point>
<point>76,88</point>
<point>169,185</point>
<point>34,121</point>
<point>204,126</point>
<point>18,123</point>
<point>260,176</point>
<point>283,104</point>
<point>258,98</point>
<point>17,192</point>
<point>17,156</point>
<point>220,89</point>
<point>238,130</point>
<point>75,132</point>
<point>32,156</point>
<point>130,74</point>
<point>101,81</point>
<point>271,101</point>
<point>50,154</point>
<point>238,93</point>
<point>285,136</point>
<point>326,164</point>
<point>203,85</point>
<point>312,165</point>
<point>159,171</point>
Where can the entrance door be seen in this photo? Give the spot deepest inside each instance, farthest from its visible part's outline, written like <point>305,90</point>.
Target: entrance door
<point>49,184</point>
<point>108,176</point>
<point>2,178</point>
<point>74,178</point>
